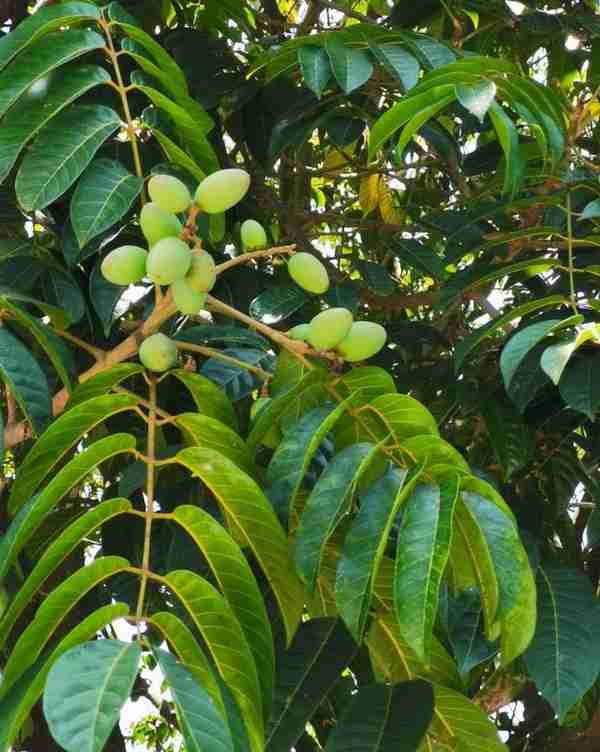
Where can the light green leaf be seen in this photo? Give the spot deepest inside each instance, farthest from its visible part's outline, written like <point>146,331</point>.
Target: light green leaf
<point>514,165</point>
<point>35,510</point>
<point>351,66</point>
<point>22,374</point>
<point>315,67</point>
<point>51,613</point>
<point>567,629</point>
<point>178,156</point>
<point>327,504</point>
<point>591,210</point>
<point>555,358</point>
<point>433,451</point>
<point>365,544</point>
<point>25,120</point>
<point>415,124</point>
<point>477,99</point>
<point>16,706</point>
<point>55,554</point>
<point>86,690</point>
<point>47,19</point>
<point>203,728</point>
<point>405,415</point>
<point>421,556</point>
<point>245,504</point>
<point>525,340</point>
<point>35,63</point>
<point>58,438</point>
<point>204,431</point>
<point>408,107</point>
<point>236,582</point>
<point>366,382</point>
<point>101,383</point>
<point>209,399</point>
<point>61,153</point>
<point>227,644</point>
<point>103,196</point>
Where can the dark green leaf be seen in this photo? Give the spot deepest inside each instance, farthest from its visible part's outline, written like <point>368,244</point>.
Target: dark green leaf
<point>314,63</point>
<point>579,386</point>
<point>465,631</point>
<point>104,296</point>
<point>351,66</point>
<point>277,304</point>
<point>397,61</point>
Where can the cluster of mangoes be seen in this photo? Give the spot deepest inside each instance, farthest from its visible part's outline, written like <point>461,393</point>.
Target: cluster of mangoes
<point>191,273</point>
<point>335,328</point>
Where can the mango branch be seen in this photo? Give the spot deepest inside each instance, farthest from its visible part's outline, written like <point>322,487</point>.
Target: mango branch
<point>276,251</point>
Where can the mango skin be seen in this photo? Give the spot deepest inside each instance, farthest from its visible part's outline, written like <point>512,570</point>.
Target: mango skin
<point>125,265</point>
<point>329,328</point>
<point>222,190</point>
<point>253,235</point>
<point>299,332</point>
<point>157,224</point>
<point>308,273</point>
<point>158,353</point>
<point>365,339</point>
<point>169,193</point>
<point>168,260</point>
<point>188,301</point>
<point>202,274</point>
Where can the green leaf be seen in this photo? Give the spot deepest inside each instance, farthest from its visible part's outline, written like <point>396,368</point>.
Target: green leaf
<point>306,672</point>
<point>210,400</point>
<point>22,374</point>
<point>185,645</point>
<point>178,156</point>
<point>465,631</point>
<point>203,728</point>
<point>477,99</point>
<point>103,196</point>
<point>194,137</point>
<point>365,544</point>
<point>245,503</point>
<point>55,554</point>
<point>25,120</point>
<point>315,67</point>
<point>293,455</point>
<point>34,511</point>
<point>377,278</point>
<point>525,340</point>
<point>229,335</point>
<point>236,581</point>
<point>204,431</point>
<point>433,451</point>
<point>398,62</point>
<point>508,435</point>
<point>86,690</point>
<point>555,358</point>
<point>327,504</point>
<point>384,719</point>
<point>61,289</point>
<point>422,554</point>
<point>579,386</point>
<point>404,415</point>
<point>351,66</point>
<point>508,137</point>
<point>54,50</point>
<point>418,121</point>
<point>104,297</point>
<point>237,381</point>
<point>58,438</point>
<point>414,254</point>
<point>42,336</point>
<point>227,644</point>
<point>61,153</point>
<point>567,629</point>
<point>103,382</point>
<point>16,706</point>
<point>403,111</point>
<point>51,613</point>
<point>277,304</point>
<point>591,210</point>
<point>465,346</point>
<point>47,19</point>
<point>367,381</point>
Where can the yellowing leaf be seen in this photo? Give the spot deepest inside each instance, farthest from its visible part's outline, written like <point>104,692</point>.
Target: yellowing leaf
<point>368,195</point>
<point>389,213</point>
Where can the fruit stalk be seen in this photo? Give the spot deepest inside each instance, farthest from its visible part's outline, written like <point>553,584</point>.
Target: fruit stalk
<point>275,251</point>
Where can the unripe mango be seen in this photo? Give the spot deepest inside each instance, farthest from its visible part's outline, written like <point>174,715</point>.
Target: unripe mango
<point>364,339</point>
<point>168,260</point>
<point>222,190</point>
<point>202,273</point>
<point>308,273</point>
<point>329,328</point>
<point>299,332</point>
<point>158,352</point>
<point>125,265</point>
<point>253,235</point>
<point>169,193</point>
<point>188,301</point>
<point>156,223</point>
